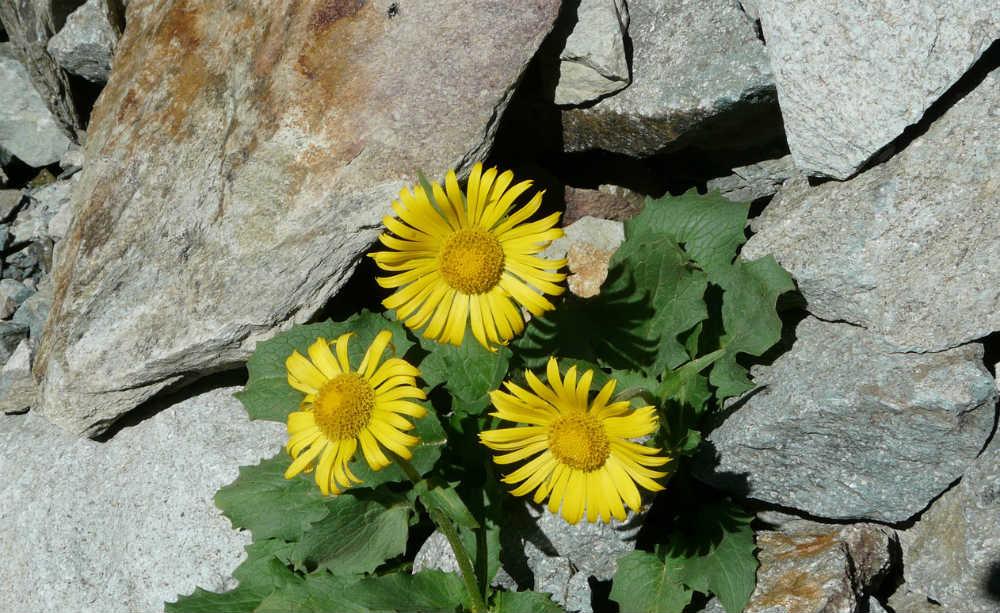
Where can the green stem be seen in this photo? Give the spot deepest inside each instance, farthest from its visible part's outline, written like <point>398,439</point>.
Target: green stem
<point>477,604</point>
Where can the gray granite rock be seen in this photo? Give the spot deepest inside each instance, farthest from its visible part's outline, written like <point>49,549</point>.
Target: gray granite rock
<point>587,246</point>
<point>851,79</point>
<point>71,162</point>
<point>11,335</point>
<point>34,312</point>
<point>952,554</point>
<point>86,43</point>
<point>122,526</point>
<point>909,248</point>
<point>32,221</point>
<point>593,63</point>
<point>905,601</point>
<point>27,128</point>
<point>844,428</point>
<point>748,183</point>
<point>12,295</point>
<point>811,567</point>
<point>17,387</point>
<point>239,162</point>
<point>560,558</point>
<point>874,606</point>
<point>9,199</point>
<point>692,62</point>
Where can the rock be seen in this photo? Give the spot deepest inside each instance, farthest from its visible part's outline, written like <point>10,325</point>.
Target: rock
<point>593,63</point>
<point>694,62</point>
<point>86,43</point>
<point>817,567</point>
<point>606,202</point>
<point>952,553</point>
<point>27,128</point>
<point>851,80</point>
<point>32,222</point>
<point>3,177</point>
<point>71,162</point>
<point>34,312</point>
<point>587,246</point>
<point>932,208</point>
<point>238,163</point>
<point>874,606</point>
<point>17,387</point>
<point>9,199</point>
<point>11,335</point>
<point>558,558</point>
<point>842,427</point>
<point>126,524</point>
<point>12,295</point>
<point>28,263</point>
<point>905,601</point>
<point>760,180</point>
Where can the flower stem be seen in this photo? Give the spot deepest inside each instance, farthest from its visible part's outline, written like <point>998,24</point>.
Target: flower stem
<point>477,604</point>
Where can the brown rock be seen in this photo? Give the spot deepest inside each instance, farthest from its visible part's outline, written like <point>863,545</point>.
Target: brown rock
<point>606,202</point>
<point>238,163</point>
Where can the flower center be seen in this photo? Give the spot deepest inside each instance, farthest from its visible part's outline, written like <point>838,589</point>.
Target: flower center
<point>471,261</point>
<point>344,406</point>
<point>579,441</point>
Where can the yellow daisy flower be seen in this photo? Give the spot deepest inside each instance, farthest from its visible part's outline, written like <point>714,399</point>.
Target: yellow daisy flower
<point>584,460</point>
<point>344,408</point>
<point>460,257</point>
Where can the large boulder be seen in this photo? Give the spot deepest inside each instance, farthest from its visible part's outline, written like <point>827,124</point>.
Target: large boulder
<point>125,525</point>
<point>86,43</point>
<point>238,163</point>
<point>909,248</point>
<point>842,427</point>
<point>27,128</point>
<point>696,65</point>
<point>853,75</point>
<point>952,554</point>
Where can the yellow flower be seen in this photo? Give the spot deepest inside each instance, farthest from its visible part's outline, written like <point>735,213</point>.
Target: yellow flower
<point>344,408</point>
<point>585,460</point>
<point>463,258</point>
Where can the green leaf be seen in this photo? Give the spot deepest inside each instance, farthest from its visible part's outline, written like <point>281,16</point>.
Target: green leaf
<point>267,394</point>
<point>662,273</point>
<point>355,537</point>
<point>715,548</point>
<point>263,501</point>
<point>750,319</point>
<point>644,583</point>
<point>446,500</point>
<point>323,593</point>
<point>469,372</point>
<point>259,575</point>
<point>525,602</point>
<point>432,439</point>
<point>633,384</point>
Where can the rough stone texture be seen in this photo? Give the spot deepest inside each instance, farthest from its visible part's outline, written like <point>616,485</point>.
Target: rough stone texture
<point>559,558</point>
<point>693,62</point>
<point>748,183</point>
<point>606,202</point>
<point>86,43</point>
<point>11,335</point>
<point>27,128</point>
<point>29,25</point>
<point>587,246</point>
<point>952,554</point>
<point>12,295</point>
<point>238,163</point>
<point>816,568</point>
<point>844,428</point>
<point>34,312</point>
<point>71,161</point>
<point>9,199</point>
<point>905,601</point>
<point>125,525</point>
<point>851,79</point>
<point>593,62</point>
<point>32,222</point>
<point>854,247</point>
<point>875,606</point>
<point>17,387</point>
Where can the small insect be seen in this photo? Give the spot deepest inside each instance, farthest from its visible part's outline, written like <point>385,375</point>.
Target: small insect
<point>393,10</point>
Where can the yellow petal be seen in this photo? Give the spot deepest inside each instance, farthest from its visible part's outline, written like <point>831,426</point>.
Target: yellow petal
<point>303,370</point>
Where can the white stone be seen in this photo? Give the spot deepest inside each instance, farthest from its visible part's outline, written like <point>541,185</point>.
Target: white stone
<point>123,526</point>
